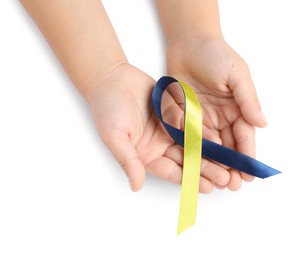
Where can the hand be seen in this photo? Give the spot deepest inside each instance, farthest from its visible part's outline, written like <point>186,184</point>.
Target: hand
<point>223,84</point>
<point>121,106</point>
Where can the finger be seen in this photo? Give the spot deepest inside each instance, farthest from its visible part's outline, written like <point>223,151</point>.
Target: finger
<point>206,186</point>
<point>246,97</point>
<point>215,173</point>
<point>220,187</point>
<point>228,140</point>
<point>245,140</point>
<point>125,153</point>
<point>214,136</point>
<point>176,92</point>
<point>211,134</point>
<point>209,170</point>
<point>235,181</point>
<point>165,168</point>
<point>175,153</point>
<point>227,137</point>
<point>174,116</point>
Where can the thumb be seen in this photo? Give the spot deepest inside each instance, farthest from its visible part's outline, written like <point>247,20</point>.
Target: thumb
<point>126,155</point>
<point>246,97</point>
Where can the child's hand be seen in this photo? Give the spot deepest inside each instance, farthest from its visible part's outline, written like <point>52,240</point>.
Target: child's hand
<point>225,89</point>
<point>121,105</point>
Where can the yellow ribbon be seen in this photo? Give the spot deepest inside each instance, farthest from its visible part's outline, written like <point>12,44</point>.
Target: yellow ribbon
<point>192,159</point>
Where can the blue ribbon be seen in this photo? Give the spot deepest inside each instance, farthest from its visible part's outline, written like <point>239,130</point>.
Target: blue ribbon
<point>211,150</point>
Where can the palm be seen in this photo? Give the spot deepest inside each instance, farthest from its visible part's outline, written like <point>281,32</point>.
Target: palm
<point>122,109</point>
<point>219,113</point>
<point>219,76</point>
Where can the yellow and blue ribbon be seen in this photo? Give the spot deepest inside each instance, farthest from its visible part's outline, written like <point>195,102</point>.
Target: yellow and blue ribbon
<point>196,147</point>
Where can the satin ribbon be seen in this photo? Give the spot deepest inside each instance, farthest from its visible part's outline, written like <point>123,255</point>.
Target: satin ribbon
<point>195,146</point>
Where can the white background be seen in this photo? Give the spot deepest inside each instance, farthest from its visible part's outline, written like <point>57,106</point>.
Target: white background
<point>63,196</point>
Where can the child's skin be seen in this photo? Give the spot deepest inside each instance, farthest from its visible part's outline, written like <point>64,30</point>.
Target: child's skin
<point>119,94</point>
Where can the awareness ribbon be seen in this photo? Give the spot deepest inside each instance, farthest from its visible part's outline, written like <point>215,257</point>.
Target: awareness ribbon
<point>196,147</point>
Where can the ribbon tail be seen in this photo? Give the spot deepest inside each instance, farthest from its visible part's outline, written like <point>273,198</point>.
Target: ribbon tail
<point>192,160</point>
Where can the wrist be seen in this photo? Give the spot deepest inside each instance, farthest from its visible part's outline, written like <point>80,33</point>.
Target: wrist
<point>196,36</point>
<point>183,19</point>
<point>87,88</point>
